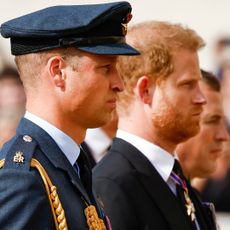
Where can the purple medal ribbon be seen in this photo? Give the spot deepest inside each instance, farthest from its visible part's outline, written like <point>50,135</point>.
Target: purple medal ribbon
<point>178,180</point>
<point>189,205</point>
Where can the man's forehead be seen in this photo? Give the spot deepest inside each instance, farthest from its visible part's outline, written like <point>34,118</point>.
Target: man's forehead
<point>214,105</point>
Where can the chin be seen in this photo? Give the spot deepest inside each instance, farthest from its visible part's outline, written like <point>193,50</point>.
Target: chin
<point>207,173</point>
<point>102,121</point>
<point>193,131</point>
<point>185,135</point>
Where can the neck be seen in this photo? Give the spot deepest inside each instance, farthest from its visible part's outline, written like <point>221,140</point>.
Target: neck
<point>186,172</point>
<point>77,133</point>
<point>147,132</point>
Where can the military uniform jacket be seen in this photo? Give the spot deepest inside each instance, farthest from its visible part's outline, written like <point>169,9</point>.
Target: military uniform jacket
<point>134,194</point>
<point>24,203</point>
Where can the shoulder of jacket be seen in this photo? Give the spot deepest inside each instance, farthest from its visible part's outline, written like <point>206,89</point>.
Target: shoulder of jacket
<point>18,153</point>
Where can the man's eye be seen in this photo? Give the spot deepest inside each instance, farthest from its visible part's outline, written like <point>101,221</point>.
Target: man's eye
<point>213,120</point>
<point>189,85</point>
<point>106,68</point>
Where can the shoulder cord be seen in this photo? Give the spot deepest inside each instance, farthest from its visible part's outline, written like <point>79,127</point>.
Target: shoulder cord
<point>55,203</point>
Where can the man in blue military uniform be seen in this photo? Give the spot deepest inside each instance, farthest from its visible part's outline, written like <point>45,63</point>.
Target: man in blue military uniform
<point>66,57</point>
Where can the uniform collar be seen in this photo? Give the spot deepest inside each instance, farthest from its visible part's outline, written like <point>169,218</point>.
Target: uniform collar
<point>68,146</point>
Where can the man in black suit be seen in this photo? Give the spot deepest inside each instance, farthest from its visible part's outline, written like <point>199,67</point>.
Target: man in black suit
<point>139,180</point>
<point>66,56</point>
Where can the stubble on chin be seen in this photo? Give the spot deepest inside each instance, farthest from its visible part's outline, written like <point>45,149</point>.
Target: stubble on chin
<point>171,125</point>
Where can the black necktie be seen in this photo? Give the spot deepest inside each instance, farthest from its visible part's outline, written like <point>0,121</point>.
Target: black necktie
<point>77,169</point>
<point>183,193</point>
<point>85,171</point>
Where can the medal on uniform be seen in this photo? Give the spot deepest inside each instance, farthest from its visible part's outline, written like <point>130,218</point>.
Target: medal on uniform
<point>189,205</point>
<point>188,202</point>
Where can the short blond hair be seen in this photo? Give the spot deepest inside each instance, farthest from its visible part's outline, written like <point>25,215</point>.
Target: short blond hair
<point>30,65</point>
<point>156,40</point>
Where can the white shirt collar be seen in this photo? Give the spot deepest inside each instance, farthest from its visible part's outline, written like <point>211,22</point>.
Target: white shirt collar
<point>159,158</point>
<point>98,142</point>
<point>68,146</point>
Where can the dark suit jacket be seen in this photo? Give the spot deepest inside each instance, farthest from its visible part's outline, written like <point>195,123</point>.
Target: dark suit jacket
<point>217,192</point>
<point>134,194</point>
<point>23,200</point>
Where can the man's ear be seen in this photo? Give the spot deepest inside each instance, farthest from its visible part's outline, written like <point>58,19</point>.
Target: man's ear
<point>56,66</point>
<point>144,89</point>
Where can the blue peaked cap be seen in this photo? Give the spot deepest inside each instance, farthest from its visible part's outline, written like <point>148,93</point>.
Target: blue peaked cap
<point>94,28</point>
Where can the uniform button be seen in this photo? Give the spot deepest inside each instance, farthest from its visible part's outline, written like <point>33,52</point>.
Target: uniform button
<point>27,138</point>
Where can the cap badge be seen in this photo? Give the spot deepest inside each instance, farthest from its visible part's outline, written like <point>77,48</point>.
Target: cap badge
<point>125,22</point>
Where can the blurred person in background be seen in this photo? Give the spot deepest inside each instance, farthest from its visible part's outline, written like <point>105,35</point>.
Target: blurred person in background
<point>222,55</point>
<point>98,141</point>
<point>198,155</point>
<point>12,102</point>
<point>216,188</point>
<point>222,62</point>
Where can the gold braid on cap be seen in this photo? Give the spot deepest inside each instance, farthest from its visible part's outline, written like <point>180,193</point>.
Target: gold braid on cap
<point>55,203</point>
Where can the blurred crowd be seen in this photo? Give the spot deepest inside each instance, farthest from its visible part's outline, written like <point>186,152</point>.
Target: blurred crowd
<point>216,188</point>
<point>12,102</point>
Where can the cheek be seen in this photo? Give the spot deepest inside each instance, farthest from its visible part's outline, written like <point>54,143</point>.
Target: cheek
<point>206,159</point>
<point>177,103</point>
<point>206,135</point>
<point>94,97</point>
<point>177,97</point>
<point>203,143</point>
<point>94,83</point>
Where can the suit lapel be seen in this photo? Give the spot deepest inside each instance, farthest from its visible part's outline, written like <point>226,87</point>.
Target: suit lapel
<point>52,152</point>
<point>153,184</point>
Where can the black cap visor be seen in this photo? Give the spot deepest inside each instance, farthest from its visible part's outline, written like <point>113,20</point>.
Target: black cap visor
<point>111,49</point>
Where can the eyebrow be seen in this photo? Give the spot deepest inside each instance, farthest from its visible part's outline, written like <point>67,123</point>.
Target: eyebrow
<point>191,80</point>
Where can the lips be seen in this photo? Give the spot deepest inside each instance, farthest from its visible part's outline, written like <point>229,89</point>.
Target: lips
<point>216,153</point>
<point>112,100</point>
<point>197,113</point>
<point>216,150</point>
<point>112,103</point>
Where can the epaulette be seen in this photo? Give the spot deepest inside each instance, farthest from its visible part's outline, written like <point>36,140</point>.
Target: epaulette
<point>19,156</point>
<point>20,153</point>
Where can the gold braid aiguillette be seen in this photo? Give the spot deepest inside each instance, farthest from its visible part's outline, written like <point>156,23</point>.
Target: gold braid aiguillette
<point>93,221</point>
<point>55,203</point>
